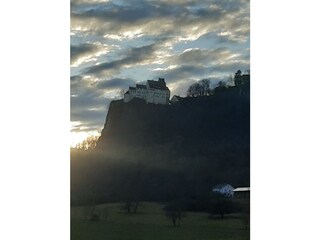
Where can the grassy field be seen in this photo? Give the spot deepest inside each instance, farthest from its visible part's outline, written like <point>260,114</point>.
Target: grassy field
<point>150,223</point>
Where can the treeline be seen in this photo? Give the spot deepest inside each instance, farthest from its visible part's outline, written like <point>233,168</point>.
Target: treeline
<point>200,88</point>
<point>89,143</point>
<point>203,88</point>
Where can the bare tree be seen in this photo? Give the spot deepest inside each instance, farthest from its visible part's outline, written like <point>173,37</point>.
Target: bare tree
<point>192,90</point>
<point>230,80</point>
<point>200,88</point>
<point>175,212</point>
<point>205,84</point>
<point>221,206</point>
<point>89,143</point>
<point>221,84</point>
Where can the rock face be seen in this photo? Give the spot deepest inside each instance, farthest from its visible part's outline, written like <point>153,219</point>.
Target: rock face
<point>189,124</point>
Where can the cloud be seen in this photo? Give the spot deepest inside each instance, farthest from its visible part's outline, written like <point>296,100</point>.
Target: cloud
<point>89,106</point>
<point>89,117</point>
<point>135,56</point>
<point>158,17</point>
<point>87,52</point>
<point>83,50</point>
<point>202,63</point>
<point>116,83</point>
<point>183,72</point>
<point>193,72</point>
<point>90,99</point>
<point>78,2</point>
<point>203,56</point>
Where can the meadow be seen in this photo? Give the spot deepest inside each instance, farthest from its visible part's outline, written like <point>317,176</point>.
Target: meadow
<point>151,223</point>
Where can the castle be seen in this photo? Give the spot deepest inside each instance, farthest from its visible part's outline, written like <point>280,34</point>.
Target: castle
<point>155,92</point>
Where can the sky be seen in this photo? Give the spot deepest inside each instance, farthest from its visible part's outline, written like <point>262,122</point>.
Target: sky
<point>116,44</point>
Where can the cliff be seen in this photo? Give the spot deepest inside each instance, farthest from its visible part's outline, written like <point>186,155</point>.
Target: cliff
<point>164,152</point>
<point>224,116</point>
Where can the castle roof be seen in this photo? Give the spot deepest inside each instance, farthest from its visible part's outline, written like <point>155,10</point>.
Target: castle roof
<point>132,88</point>
<point>141,86</point>
<point>157,85</point>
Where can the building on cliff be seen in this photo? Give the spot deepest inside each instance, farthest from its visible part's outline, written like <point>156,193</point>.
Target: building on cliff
<point>241,79</point>
<point>155,92</point>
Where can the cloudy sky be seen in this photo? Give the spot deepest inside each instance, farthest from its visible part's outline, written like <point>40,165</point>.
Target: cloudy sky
<point>116,43</point>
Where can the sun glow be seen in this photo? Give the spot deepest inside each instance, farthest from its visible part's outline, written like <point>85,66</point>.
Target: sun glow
<point>77,137</point>
<point>79,134</point>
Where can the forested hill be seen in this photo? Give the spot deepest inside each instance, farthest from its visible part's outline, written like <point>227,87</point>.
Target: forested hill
<point>189,125</point>
<point>166,152</point>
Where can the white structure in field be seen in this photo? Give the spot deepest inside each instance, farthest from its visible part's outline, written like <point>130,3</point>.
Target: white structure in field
<point>223,189</point>
<point>153,92</point>
<point>242,192</point>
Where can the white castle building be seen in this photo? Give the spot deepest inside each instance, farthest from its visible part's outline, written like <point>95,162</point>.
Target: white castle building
<point>153,92</point>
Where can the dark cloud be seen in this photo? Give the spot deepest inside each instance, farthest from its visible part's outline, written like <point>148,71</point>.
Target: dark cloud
<point>141,9</point>
<point>89,118</point>
<point>78,51</point>
<point>133,56</point>
<point>77,83</point>
<point>75,79</point>
<point>165,15</point>
<point>231,67</point>
<point>88,97</point>
<point>116,83</point>
<point>183,72</point>
<point>132,12</point>
<point>115,13</point>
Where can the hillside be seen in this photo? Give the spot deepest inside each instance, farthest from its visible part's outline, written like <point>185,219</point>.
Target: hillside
<point>221,117</point>
<point>182,148</point>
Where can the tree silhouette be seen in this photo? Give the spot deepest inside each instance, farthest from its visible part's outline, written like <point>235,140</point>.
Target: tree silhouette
<point>89,143</point>
<point>176,211</point>
<point>200,88</point>
<point>221,206</point>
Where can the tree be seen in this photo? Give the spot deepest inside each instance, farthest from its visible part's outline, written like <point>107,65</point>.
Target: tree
<point>221,206</point>
<point>89,143</point>
<point>221,84</point>
<point>132,191</point>
<point>205,85</point>
<point>194,90</point>
<point>230,80</point>
<point>176,211</point>
<point>238,73</point>
<point>200,88</point>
